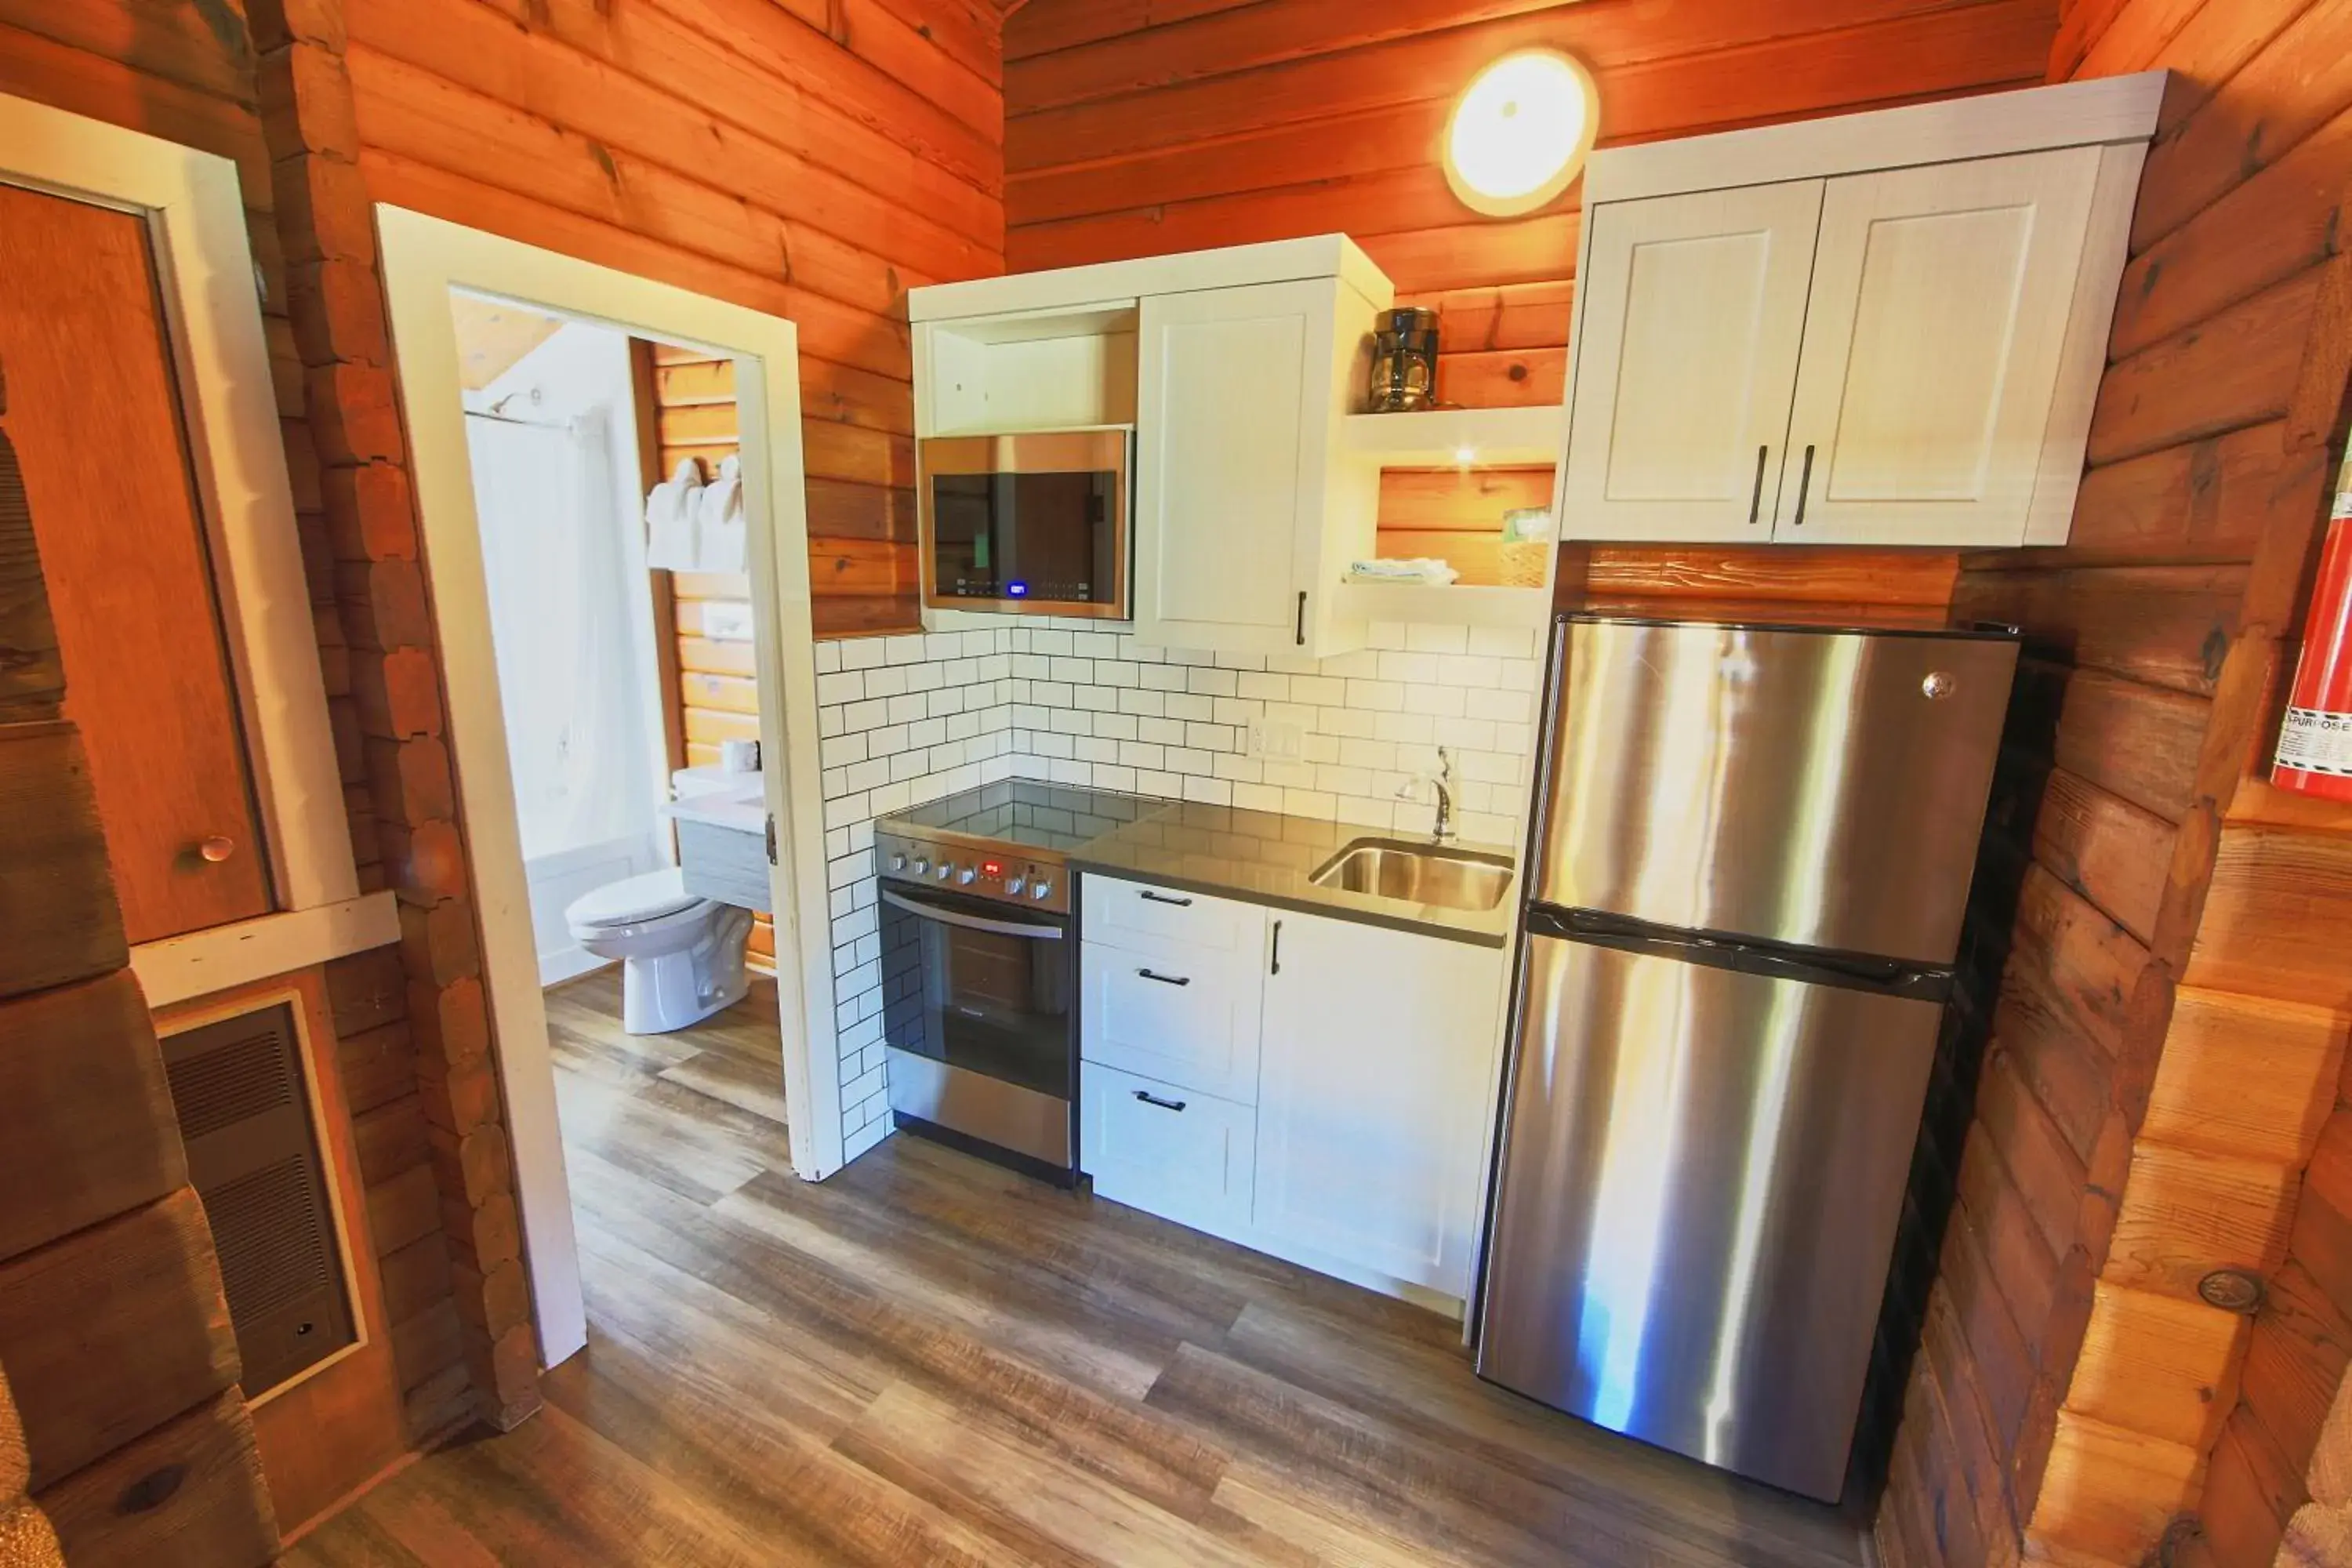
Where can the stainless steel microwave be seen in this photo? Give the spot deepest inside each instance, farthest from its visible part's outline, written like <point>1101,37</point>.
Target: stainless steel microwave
<point>1035,522</point>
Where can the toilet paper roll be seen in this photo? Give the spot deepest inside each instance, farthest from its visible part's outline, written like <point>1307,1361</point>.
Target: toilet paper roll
<point>740,756</point>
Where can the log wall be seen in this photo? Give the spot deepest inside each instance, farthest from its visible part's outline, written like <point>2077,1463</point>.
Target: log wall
<point>2167,1039</point>
<point>121,1366</point>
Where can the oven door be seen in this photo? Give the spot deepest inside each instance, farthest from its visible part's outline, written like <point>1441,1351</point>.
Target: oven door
<point>976,1013</point>
<point>1034,523</point>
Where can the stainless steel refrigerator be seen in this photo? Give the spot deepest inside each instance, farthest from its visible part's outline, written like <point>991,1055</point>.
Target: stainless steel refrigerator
<point>1753,846</point>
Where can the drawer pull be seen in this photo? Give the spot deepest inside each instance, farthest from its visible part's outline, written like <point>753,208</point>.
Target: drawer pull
<point>1155,1099</point>
<point>1164,898</point>
<point>1166,979</point>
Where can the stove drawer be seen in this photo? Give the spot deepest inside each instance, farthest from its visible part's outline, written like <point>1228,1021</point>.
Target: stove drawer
<point>1176,1153</point>
<point>1173,1011</point>
<point>1122,912</point>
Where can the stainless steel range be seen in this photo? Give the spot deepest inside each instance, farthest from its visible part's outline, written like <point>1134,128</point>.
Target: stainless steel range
<point>979,966</point>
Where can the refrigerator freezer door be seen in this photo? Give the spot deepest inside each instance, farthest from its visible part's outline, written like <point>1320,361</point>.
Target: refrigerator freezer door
<point>1700,1180</point>
<point>1820,788</point>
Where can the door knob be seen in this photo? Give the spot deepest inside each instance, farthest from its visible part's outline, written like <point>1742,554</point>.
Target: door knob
<point>216,849</point>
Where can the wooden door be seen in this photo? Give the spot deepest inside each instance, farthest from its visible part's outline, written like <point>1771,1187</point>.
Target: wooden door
<point>1939,305</point>
<point>1376,1059</point>
<point>96,423</point>
<point>1231,443</point>
<point>1694,307</point>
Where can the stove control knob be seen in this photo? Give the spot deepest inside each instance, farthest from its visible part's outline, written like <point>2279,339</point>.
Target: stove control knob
<point>967,875</point>
<point>1041,889</point>
<point>1013,885</point>
<point>941,870</point>
<point>898,862</point>
<point>922,866</point>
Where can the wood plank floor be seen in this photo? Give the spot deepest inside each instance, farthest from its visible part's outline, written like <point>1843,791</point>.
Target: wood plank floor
<point>929,1361</point>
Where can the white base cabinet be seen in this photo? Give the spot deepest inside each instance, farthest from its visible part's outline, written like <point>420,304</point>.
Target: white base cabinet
<point>1316,1088</point>
<point>1173,1152</point>
<point>1378,1055</point>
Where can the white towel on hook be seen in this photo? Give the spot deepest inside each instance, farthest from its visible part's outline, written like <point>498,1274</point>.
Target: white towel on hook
<point>673,543</point>
<point>720,519</point>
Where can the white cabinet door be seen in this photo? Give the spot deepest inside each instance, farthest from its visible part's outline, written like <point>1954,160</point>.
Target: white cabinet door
<point>1376,1061</point>
<point>1233,427</point>
<point>1692,310</point>
<point>1932,350</point>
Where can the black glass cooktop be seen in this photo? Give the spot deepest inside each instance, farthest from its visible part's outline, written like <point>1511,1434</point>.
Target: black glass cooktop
<point>1028,812</point>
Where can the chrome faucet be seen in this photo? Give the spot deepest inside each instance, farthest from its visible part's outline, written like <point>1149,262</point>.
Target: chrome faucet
<point>1442,782</point>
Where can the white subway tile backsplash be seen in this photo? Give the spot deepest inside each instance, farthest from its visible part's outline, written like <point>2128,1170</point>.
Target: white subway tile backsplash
<point>905,719</point>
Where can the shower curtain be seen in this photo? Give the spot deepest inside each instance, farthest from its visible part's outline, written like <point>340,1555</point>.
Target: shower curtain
<point>560,579</point>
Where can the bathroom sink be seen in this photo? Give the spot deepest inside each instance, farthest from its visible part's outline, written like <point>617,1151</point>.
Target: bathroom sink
<point>1418,873</point>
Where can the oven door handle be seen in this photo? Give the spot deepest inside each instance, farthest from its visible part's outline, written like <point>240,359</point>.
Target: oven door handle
<point>970,922</point>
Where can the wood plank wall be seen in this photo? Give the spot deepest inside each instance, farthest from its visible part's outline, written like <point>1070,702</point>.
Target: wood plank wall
<point>811,158</point>
<point>120,1360</point>
<point>2167,1038</point>
<point>1133,128</point>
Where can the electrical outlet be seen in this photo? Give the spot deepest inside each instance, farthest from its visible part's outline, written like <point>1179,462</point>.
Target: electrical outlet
<point>1276,739</point>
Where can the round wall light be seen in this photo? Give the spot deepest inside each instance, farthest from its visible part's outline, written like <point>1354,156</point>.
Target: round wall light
<point>1520,131</point>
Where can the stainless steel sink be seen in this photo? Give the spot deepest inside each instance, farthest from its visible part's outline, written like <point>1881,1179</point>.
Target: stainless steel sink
<point>1421,873</point>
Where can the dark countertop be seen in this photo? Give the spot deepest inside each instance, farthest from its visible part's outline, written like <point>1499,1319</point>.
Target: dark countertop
<point>1264,857</point>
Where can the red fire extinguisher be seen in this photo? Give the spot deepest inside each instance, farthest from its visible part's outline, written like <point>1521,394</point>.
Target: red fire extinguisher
<point>2314,747</point>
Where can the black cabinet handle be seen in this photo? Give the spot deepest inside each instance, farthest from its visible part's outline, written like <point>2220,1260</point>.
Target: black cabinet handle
<point>1277,948</point>
<point>1804,483</point>
<point>1166,979</point>
<point>1155,1099</point>
<point>1164,898</point>
<point>1756,497</point>
<point>1302,617</point>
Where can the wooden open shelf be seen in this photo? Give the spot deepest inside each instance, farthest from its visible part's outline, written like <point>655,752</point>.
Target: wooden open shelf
<point>1460,437</point>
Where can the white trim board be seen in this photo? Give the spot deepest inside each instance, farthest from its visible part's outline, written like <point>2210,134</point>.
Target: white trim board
<point>1108,285</point>
<point>423,259</point>
<point>182,968</point>
<point>212,309</point>
<point>1991,125</point>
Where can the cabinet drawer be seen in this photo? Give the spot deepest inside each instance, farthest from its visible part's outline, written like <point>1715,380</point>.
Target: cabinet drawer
<point>1176,1153</point>
<point>1120,912</point>
<point>1175,1011</point>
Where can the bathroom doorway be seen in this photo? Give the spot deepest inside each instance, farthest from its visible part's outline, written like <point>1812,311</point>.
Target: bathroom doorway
<point>549,796</point>
<point>552,439</point>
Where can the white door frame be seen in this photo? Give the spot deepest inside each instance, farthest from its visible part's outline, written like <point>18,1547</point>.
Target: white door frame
<point>423,258</point>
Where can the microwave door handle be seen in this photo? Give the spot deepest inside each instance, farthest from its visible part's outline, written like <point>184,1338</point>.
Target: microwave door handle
<point>970,922</point>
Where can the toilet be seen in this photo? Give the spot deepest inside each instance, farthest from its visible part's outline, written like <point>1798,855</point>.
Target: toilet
<point>681,955</point>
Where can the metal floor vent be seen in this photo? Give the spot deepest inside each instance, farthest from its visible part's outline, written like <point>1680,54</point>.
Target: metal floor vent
<point>253,1158</point>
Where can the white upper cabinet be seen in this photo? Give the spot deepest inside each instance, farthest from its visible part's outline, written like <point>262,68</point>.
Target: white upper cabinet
<point>1239,368</point>
<point>1932,340</point>
<point>1694,309</point>
<point>1880,328</point>
<point>1246,513</point>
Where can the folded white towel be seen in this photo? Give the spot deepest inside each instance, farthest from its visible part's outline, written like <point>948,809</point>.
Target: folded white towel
<point>1422,569</point>
<point>719,520</point>
<point>671,542</point>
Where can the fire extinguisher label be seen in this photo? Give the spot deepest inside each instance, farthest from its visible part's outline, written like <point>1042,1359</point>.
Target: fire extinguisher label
<point>2316,741</point>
